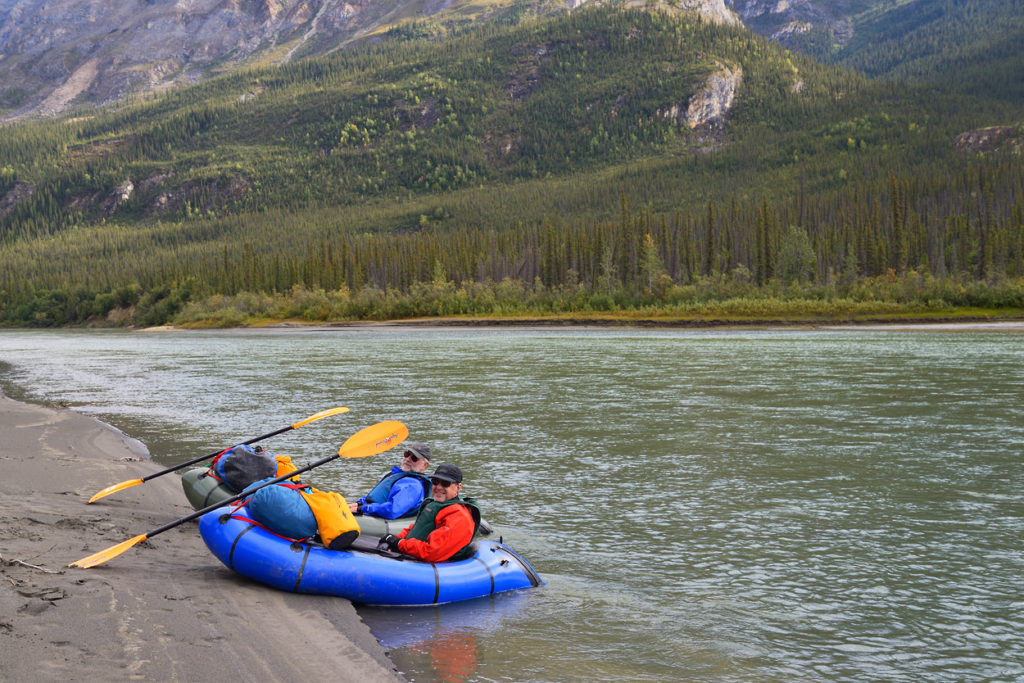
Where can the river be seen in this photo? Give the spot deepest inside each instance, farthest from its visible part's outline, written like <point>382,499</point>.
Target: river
<point>720,505</point>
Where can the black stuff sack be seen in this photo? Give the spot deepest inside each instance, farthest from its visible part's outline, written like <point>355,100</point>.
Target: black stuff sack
<point>243,465</point>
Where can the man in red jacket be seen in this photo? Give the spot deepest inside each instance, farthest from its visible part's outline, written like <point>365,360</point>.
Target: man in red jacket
<point>445,524</point>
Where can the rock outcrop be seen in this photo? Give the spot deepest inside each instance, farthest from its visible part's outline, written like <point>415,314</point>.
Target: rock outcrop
<point>710,105</point>
<point>14,196</point>
<point>990,139</point>
<point>713,10</point>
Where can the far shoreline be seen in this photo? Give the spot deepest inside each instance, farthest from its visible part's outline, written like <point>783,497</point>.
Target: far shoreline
<point>950,323</point>
<point>968,320</point>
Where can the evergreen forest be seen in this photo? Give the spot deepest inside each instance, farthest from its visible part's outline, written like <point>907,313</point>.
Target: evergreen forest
<point>534,168</point>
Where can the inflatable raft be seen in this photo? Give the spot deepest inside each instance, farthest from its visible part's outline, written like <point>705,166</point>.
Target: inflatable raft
<point>203,491</point>
<point>362,573</point>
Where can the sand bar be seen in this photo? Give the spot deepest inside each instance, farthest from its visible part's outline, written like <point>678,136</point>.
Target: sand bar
<point>165,610</point>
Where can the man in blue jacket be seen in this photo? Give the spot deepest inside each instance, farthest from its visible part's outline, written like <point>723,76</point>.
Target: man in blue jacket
<point>400,491</point>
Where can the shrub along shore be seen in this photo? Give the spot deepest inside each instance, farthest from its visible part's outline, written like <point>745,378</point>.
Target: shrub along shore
<point>652,296</point>
<point>895,298</point>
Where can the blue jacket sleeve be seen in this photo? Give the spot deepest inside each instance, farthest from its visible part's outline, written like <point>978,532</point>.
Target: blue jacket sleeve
<point>406,495</point>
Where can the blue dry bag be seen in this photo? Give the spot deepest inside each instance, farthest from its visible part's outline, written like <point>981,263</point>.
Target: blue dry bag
<point>283,510</point>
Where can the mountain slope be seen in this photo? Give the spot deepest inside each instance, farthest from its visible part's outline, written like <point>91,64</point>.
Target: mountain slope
<point>975,46</point>
<point>419,117</point>
<point>605,153</point>
<point>58,54</point>
<point>405,119</point>
<point>55,54</point>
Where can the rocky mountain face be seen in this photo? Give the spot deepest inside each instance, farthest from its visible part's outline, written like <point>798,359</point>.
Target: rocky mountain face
<point>56,53</point>
<point>782,20</point>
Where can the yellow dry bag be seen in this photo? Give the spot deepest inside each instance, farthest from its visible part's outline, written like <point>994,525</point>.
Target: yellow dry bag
<point>337,525</point>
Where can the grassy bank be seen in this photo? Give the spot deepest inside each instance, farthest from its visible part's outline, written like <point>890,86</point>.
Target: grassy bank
<point>718,300</point>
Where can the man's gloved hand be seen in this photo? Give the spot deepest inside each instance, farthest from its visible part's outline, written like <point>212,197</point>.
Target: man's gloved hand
<point>391,541</point>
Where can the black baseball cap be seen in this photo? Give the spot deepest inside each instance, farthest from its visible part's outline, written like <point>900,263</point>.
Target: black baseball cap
<point>447,472</point>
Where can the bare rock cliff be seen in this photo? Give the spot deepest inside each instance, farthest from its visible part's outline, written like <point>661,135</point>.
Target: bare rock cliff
<point>56,53</point>
<point>711,105</point>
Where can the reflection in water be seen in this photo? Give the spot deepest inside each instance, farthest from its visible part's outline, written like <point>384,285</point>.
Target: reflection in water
<point>452,654</point>
<point>447,635</point>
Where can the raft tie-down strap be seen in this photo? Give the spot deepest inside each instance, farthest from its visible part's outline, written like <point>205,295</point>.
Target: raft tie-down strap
<point>213,475</point>
<point>206,501</point>
<point>213,463</point>
<point>302,568</point>
<point>253,522</point>
<point>231,555</point>
<point>301,541</point>
<point>437,582</point>
<point>489,572</point>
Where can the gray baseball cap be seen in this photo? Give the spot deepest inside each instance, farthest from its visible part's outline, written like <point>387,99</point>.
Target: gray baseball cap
<point>420,450</point>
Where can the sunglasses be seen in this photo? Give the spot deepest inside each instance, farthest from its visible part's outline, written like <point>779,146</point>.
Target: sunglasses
<point>441,482</point>
<point>412,456</point>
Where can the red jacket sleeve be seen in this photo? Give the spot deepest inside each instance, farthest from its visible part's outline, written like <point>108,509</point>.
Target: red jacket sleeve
<point>454,531</point>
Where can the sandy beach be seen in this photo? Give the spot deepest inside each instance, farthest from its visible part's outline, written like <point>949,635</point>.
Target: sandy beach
<point>165,610</point>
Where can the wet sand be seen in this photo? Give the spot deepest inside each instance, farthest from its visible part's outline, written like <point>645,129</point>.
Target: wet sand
<point>166,609</point>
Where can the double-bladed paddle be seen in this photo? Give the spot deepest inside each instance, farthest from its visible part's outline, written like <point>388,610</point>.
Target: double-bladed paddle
<point>134,482</point>
<point>369,441</point>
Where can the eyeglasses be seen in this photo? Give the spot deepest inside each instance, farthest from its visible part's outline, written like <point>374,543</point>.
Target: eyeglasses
<point>412,456</point>
<point>441,482</point>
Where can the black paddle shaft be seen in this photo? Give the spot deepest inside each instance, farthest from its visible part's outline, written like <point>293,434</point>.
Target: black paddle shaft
<point>193,461</point>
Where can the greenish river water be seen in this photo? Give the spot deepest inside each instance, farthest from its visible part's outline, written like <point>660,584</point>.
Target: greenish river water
<point>705,505</point>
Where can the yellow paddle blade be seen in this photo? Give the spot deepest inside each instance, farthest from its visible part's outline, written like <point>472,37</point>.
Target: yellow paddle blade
<point>108,554</point>
<point>374,439</point>
<point>322,413</point>
<point>116,487</point>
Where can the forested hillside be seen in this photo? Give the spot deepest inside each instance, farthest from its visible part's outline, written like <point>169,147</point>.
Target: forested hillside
<point>547,167</point>
<point>972,46</point>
